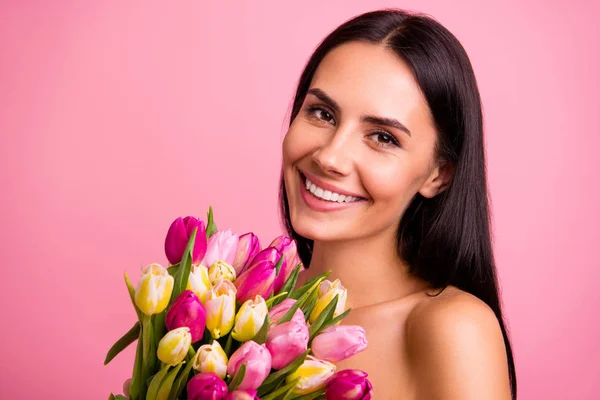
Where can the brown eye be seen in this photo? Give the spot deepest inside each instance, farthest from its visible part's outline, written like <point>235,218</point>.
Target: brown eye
<point>384,139</point>
<point>321,114</point>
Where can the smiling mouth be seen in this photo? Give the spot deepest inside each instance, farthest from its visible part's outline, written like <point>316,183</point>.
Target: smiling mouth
<point>327,195</point>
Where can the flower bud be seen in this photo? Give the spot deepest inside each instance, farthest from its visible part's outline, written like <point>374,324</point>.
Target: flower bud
<point>126,386</point>
<point>174,346</point>
<point>327,291</point>
<point>246,394</point>
<point>248,247</point>
<point>187,310</point>
<point>313,374</point>
<point>286,342</point>
<point>336,343</point>
<point>222,246</point>
<point>179,235</point>
<point>206,386</point>
<point>257,280</point>
<point>211,358</point>
<point>349,384</point>
<point>277,312</point>
<point>220,309</point>
<point>249,319</point>
<point>198,281</point>
<point>269,254</point>
<point>286,246</point>
<point>221,270</point>
<point>258,364</point>
<point>154,289</point>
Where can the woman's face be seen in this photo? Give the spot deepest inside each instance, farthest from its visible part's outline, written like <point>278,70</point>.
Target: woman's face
<point>365,141</point>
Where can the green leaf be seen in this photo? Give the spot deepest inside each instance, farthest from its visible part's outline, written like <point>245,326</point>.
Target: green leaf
<point>159,326</point>
<point>149,353</point>
<point>136,379</point>
<point>181,381</point>
<point>325,315</point>
<point>301,301</point>
<point>290,369</point>
<point>211,228</point>
<point>282,391</point>
<point>112,396</point>
<point>335,320</point>
<point>228,345</point>
<point>278,265</point>
<point>123,342</point>
<point>310,304</point>
<point>183,272</point>
<point>289,285</point>
<point>311,396</point>
<point>120,397</point>
<point>261,335</point>
<point>155,383</point>
<point>167,383</point>
<point>131,290</point>
<point>272,299</point>
<point>296,294</point>
<point>238,378</point>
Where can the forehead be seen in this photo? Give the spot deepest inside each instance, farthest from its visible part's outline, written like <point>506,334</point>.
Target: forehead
<point>371,79</point>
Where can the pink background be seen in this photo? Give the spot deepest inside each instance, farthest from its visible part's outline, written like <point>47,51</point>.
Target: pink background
<point>115,119</point>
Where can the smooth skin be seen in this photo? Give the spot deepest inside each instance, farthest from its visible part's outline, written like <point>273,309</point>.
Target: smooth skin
<point>447,346</point>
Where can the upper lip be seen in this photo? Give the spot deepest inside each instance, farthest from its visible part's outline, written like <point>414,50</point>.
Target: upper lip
<point>326,186</point>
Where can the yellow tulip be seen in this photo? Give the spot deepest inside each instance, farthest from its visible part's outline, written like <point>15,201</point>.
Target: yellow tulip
<point>220,308</point>
<point>313,374</point>
<point>249,319</point>
<point>154,289</point>
<point>198,281</point>
<point>327,291</point>
<point>211,358</point>
<point>221,270</point>
<point>174,346</point>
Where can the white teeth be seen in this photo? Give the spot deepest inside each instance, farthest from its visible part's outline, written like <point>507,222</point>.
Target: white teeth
<point>328,195</point>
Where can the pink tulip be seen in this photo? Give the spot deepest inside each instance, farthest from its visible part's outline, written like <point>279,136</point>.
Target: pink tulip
<point>257,280</point>
<point>277,312</point>
<point>222,246</point>
<point>187,310</point>
<point>258,364</point>
<point>287,246</point>
<point>179,235</point>
<point>269,254</point>
<point>350,384</point>
<point>243,395</point>
<point>286,342</point>
<point>206,386</point>
<point>337,343</point>
<point>248,248</point>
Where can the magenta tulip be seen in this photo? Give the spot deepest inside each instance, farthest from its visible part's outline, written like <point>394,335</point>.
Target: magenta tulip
<point>248,248</point>
<point>286,342</point>
<point>187,310</point>
<point>287,246</point>
<point>206,386</point>
<point>222,246</point>
<point>269,254</point>
<point>243,395</point>
<point>258,364</point>
<point>277,312</point>
<point>257,280</point>
<point>350,384</point>
<point>179,235</point>
<point>337,343</point>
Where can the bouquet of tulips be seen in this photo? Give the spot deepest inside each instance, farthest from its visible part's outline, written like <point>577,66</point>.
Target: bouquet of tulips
<point>225,321</point>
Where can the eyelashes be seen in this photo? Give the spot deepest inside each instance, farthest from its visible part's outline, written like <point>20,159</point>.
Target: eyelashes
<point>387,140</point>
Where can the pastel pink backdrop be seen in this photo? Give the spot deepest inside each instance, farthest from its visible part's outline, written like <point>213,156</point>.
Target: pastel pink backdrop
<point>116,118</point>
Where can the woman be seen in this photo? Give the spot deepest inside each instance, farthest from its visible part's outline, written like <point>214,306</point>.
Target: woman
<point>384,184</point>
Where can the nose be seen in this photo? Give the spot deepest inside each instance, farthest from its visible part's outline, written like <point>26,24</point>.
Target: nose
<point>334,157</point>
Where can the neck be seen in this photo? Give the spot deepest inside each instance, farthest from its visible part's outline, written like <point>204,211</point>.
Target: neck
<point>369,268</point>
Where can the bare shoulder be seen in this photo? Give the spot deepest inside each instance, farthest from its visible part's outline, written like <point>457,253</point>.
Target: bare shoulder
<point>456,349</point>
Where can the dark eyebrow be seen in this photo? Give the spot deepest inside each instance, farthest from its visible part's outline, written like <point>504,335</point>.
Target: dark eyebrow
<point>391,122</point>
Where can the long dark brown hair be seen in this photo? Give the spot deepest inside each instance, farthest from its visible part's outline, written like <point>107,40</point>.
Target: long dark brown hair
<point>446,239</point>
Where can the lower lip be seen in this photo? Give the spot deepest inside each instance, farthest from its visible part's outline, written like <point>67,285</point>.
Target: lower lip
<point>322,205</point>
